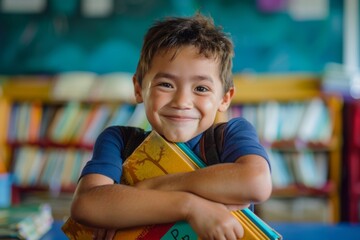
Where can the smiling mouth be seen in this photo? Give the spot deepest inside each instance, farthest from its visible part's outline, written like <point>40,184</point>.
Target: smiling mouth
<point>179,118</point>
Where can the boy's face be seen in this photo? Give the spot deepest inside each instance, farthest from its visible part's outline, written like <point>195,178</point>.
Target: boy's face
<point>182,95</point>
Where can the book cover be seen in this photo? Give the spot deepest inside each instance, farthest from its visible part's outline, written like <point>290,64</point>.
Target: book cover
<point>156,157</point>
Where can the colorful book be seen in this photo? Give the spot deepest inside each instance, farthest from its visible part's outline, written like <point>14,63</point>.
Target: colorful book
<point>35,111</point>
<point>157,157</point>
<point>26,221</point>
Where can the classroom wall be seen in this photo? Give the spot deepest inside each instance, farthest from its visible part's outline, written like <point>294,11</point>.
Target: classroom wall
<point>268,36</point>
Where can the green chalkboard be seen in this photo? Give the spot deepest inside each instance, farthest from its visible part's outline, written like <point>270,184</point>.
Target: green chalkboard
<point>62,39</point>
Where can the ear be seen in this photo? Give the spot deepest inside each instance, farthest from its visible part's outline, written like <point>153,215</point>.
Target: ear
<point>226,100</point>
<point>137,90</point>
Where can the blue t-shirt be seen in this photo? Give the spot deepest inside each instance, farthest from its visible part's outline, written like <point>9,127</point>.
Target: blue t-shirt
<point>240,139</point>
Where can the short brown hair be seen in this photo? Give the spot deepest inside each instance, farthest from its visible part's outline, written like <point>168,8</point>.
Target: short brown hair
<point>198,31</point>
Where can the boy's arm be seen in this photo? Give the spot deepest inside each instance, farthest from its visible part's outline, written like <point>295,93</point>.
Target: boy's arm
<point>100,203</point>
<point>246,181</point>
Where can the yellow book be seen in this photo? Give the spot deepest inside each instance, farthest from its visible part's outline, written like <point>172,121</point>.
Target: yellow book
<point>35,111</point>
<point>156,157</point>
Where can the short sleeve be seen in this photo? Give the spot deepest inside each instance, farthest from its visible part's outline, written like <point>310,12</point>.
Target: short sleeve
<point>106,158</point>
<point>241,139</point>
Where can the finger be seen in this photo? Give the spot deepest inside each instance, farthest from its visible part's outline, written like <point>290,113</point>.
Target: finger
<point>239,232</point>
<point>230,235</point>
<point>99,234</point>
<point>110,234</point>
<point>223,237</point>
<point>218,234</point>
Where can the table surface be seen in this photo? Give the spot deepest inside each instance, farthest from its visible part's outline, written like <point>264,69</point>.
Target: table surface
<point>289,231</point>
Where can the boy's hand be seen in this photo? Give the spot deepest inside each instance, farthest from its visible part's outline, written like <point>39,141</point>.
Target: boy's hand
<point>104,234</point>
<point>212,220</point>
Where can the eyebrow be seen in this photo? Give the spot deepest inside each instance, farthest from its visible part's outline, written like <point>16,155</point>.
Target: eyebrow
<point>174,77</point>
<point>165,75</point>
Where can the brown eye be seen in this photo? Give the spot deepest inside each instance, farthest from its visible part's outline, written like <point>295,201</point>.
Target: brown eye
<point>166,85</point>
<point>201,89</point>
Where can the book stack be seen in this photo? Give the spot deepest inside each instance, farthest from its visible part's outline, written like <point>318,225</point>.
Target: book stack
<point>156,157</point>
<point>27,221</point>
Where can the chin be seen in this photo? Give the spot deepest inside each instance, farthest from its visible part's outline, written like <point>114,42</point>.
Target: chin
<point>176,138</point>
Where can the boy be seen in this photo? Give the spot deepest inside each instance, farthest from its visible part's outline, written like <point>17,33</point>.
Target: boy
<point>183,78</point>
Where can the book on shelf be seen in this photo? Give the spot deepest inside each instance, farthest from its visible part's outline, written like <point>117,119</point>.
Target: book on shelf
<point>298,210</point>
<point>282,175</point>
<point>12,125</point>
<point>138,118</point>
<point>303,168</point>
<point>25,221</point>
<point>311,169</point>
<point>62,126</point>
<point>121,115</point>
<point>39,168</point>
<point>273,121</point>
<point>97,121</point>
<point>157,157</point>
<point>49,112</point>
<point>22,123</point>
<point>308,121</point>
<point>36,111</point>
<point>73,122</point>
<point>316,124</point>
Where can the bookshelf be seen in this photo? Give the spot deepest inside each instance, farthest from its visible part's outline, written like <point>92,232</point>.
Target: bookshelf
<point>301,127</point>
<point>50,126</point>
<point>38,111</point>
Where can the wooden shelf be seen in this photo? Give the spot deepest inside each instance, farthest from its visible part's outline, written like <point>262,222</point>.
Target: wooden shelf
<point>27,88</point>
<point>49,144</point>
<point>39,188</point>
<point>298,144</point>
<point>300,191</point>
<point>281,87</point>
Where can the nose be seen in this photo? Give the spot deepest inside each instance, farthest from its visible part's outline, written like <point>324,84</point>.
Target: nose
<point>182,99</point>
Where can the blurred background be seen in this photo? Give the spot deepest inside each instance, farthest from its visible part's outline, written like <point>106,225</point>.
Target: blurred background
<point>106,36</point>
<point>296,72</point>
